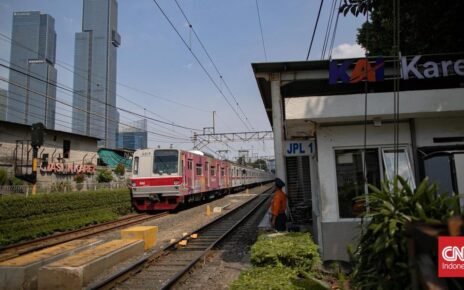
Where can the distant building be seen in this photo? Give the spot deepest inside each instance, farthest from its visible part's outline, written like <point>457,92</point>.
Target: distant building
<point>134,136</point>
<point>94,100</point>
<point>3,96</point>
<point>32,89</point>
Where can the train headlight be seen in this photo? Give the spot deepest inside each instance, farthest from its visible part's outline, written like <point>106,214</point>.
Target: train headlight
<point>133,184</point>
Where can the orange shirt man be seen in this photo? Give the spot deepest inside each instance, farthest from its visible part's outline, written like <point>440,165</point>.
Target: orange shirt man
<point>278,207</point>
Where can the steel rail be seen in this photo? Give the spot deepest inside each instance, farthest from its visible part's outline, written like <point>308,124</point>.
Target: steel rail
<point>22,248</point>
<point>205,242</point>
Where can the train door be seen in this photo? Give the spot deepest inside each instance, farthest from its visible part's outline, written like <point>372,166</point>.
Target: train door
<point>190,173</point>
<point>207,175</point>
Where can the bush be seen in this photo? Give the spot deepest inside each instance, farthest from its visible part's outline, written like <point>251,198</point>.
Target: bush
<point>381,258</point>
<point>294,250</point>
<point>104,176</point>
<point>120,170</point>
<point>266,278</point>
<point>3,177</point>
<point>41,215</point>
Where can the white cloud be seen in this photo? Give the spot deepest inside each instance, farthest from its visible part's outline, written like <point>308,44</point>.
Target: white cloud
<point>346,50</point>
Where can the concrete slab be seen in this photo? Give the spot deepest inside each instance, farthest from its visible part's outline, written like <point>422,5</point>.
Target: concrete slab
<point>146,233</point>
<point>77,271</point>
<point>21,272</point>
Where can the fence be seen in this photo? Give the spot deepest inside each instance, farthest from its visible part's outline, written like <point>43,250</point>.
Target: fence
<point>59,187</point>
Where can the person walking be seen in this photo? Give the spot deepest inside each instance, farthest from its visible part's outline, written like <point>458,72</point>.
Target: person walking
<point>278,207</point>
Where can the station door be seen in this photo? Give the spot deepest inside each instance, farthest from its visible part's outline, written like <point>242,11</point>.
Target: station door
<point>299,189</point>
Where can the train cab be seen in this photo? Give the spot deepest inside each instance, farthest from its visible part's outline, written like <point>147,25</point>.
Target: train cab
<point>156,179</point>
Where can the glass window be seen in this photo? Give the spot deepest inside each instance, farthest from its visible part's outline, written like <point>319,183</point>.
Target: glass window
<point>189,164</point>
<point>136,165</point>
<point>350,178</point>
<point>199,170</point>
<point>66,148</point>
<point>213,171</point>
<point>404,167</point>
<point>222,171</point>
<point>166,161</point>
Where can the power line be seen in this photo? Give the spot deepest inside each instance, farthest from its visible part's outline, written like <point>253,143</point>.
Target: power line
<point>314,31</point>
<point>328,29</point>
<point>335,30</point>
<point>261,30</point>
<point>80,109</point>
<point>214,64</point>
<point>200,63</point>
<point>74,69</point>
<point>93,99</point>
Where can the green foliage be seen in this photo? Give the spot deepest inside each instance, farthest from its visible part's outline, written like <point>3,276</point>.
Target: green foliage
<point>61,186</point>
<point>294,250</point>
<point>266,278</point>
<point>104,176</point>
<point>120,170</point>
<point>79,178</point>
<point>417,34</point>
<point>3,177</point>
<point>380,260</point>
<point>41,215</point>
<point>260,164</point>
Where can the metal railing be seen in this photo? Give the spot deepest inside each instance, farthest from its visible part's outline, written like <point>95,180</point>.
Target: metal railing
<point>58,187</point>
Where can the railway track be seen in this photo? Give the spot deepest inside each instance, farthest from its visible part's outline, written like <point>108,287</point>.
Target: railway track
<point>162,269</point>
<point>15,250</point>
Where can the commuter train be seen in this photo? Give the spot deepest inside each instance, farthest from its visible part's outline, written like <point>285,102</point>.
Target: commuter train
<point>162,179</point>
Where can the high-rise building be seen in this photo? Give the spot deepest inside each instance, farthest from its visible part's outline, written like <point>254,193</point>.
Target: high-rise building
<point>133,136</point>
<point>94,100</point>
<point>32,87</point>
<point>3,96</point>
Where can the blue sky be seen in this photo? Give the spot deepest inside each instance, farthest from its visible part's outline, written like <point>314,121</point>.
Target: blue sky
<point>153,59</point>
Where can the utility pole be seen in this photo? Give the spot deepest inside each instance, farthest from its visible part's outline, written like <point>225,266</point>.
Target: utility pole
<point>214,123</point>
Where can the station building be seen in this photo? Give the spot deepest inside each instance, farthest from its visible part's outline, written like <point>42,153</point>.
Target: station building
<point>331,117</point>
<point>62,156</point>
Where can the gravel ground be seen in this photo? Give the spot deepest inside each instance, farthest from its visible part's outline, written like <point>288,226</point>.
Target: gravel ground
<point>225,263</point>
<point>172,226</point>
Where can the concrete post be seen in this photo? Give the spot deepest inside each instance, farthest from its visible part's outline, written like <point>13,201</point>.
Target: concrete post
<point>278,126</point>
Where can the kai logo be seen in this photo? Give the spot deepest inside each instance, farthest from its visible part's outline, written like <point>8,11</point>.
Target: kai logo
<point>372,71</point>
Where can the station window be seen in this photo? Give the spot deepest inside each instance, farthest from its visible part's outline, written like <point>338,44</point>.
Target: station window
<point>350,174</point>
<point>213,171</point>
<point>199,170</point>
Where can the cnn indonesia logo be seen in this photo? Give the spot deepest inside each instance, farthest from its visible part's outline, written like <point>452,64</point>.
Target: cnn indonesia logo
<point>450,256</point>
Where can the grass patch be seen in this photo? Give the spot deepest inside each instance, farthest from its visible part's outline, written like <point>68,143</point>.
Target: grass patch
<point>25,218</point>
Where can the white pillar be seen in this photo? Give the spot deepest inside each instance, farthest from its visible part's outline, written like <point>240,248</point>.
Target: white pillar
<point>278,127</point>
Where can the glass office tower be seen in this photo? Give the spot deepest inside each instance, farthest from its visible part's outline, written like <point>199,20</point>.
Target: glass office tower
<point>32,88</point>
<point>94,100</point>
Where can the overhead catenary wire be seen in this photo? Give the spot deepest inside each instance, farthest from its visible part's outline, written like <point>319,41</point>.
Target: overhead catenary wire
<point>334,33</point>
<point>221,76</point>
<point>315,28</point>
<point>201,64</point>
<point>261,30</point>
<point>328,28</point>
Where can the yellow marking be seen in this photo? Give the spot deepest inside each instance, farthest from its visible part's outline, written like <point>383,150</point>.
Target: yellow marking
<point>146,233</point>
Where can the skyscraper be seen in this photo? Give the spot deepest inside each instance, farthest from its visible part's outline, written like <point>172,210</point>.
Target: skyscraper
<point>94,100</point>
<point>32,87</point>
<point>133,136</point>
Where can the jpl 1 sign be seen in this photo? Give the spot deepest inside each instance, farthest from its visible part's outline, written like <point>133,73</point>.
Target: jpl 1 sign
<point>299,148</point>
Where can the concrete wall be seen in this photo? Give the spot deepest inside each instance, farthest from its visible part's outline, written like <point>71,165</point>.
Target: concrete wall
<point>429,128</point>
<point>351,107</point>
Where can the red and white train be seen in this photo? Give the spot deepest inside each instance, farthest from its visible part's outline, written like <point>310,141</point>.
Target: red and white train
<point>164,178</point>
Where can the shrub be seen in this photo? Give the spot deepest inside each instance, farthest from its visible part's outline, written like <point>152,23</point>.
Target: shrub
<point>104,176</point>
<point>381,258</point>
<point>120,170</point>
<point>3,177</point>
<point>79,178</point>
<point>294,250</point>
<point>266,278</point>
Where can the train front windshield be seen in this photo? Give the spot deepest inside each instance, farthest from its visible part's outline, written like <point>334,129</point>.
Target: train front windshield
<point>166,162</point>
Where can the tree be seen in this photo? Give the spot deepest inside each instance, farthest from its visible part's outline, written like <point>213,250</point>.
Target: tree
<point>120,170</point>
<point>104,176</point>
<point>426,27</point>
<point>259,163</point>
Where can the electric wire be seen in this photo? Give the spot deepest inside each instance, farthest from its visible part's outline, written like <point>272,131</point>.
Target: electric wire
<point>261,30</point>
<point>201,64</point>
<point>328,28</point>
<point>334,31</point>
<point>314,31</point>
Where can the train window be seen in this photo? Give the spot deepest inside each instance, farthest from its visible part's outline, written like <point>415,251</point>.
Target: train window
<point>222,171</point>
<point>213,171</point>
<point>136,165</point>
<point>189,164</point>
<point>198,170</point>
<point>166,161</point>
